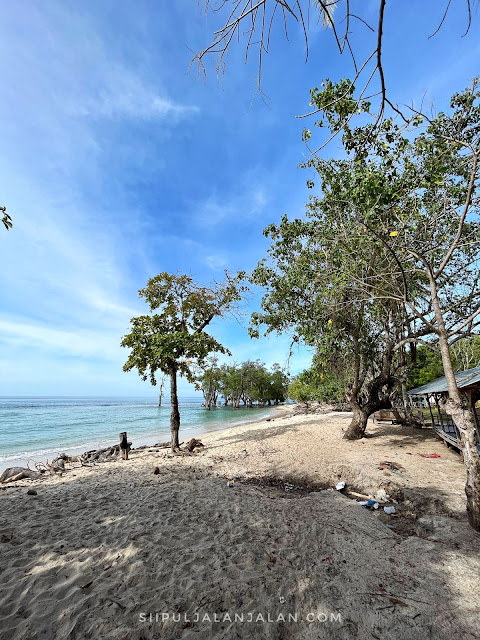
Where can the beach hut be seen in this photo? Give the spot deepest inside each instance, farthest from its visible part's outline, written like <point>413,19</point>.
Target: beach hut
<point>435,392</point>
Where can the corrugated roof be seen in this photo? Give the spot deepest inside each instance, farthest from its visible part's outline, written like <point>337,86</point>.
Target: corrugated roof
<point>463,378</point>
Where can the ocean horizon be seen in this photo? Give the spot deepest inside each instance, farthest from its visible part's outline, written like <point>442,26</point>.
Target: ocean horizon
<point>37,428</point>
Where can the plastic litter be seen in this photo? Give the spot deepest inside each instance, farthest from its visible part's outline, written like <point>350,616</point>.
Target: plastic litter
<point>389,510</point>
<point>230,483</point>
<point>429,455</point>
<point>369,503</point>
<point>340,486</point>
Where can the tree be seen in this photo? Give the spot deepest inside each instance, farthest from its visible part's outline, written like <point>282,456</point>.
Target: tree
<point>6,219</point>
<point>254,22</point>
<point>208,381</point>
<point>321,383</point>
<point>466,353</point>
<point>422,205</point>
<point>173,339</point>
<point>428,367</point>
<point>160,391</point>
<point>279,381</point>
<point>321,286</point>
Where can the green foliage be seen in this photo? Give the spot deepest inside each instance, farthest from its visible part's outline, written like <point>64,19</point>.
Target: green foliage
<point>247,382</point>
<point>6,219</point>
<point>465,355</point>
<point>311,385</point>
<point>174,336</point>
<point>428,367</point>
<point>353,279</point>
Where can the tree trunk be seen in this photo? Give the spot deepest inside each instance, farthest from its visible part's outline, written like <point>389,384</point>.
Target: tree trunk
<point>465,422</point>
<point>175,415</point>
<point>463,418</point>
<point>356,429</point>
<point>160,394</point>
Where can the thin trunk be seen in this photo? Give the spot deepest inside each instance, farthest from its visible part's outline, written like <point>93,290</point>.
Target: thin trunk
<point>463,418</point>
<point>161,391</point>
<point>175,415</point>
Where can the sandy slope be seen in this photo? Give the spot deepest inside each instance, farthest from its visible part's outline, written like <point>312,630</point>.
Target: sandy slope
<point>97,548</point>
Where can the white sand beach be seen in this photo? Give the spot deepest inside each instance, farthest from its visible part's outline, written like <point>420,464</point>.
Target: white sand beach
<point>116,551</point>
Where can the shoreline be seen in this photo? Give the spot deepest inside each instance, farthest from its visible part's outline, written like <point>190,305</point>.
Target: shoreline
<point>143,440</point>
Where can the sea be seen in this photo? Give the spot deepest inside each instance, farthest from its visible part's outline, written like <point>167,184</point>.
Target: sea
<point>34,429</point>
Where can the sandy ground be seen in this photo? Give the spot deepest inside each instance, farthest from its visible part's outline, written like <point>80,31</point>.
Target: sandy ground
<point>116,551</point>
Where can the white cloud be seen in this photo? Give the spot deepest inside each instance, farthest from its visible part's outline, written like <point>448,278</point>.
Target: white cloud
<point>119,92</point>
<point>216,262</point>
<point>82,343</point>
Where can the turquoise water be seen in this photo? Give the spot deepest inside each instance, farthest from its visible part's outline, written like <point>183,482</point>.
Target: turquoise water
<point>37,428</point>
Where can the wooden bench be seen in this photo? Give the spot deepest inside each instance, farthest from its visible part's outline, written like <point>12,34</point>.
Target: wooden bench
<point>395,416</point>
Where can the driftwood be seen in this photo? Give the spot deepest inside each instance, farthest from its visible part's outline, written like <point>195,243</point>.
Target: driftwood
<point>190,448</point>
<point>193,444</point>
<point>124,445</point>
<point>12,474</point>
<point>101,455</point>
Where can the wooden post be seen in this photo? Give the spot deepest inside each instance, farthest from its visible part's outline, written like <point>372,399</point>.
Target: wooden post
<point>471,401</point>
<point>439,412</point>
<point>124,448</point>
<point>431,412</point>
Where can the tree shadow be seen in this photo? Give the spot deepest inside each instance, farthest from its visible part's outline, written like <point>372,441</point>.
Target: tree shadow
<point>87,557</point>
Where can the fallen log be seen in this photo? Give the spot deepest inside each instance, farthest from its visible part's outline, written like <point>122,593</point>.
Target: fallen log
<point>12,474</point>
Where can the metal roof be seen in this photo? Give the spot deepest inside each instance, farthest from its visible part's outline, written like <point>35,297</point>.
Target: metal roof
<point>463,378</point>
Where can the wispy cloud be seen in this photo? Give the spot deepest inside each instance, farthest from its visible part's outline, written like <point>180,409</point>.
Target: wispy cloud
<point>121,93</point>
<point>244,204</point>
<point>216,262</point>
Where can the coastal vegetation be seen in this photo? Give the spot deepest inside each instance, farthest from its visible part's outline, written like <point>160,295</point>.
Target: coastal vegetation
<point>172,338</point>
<point>385,261</point>
<point>387,256</point>
<point>246,383</point>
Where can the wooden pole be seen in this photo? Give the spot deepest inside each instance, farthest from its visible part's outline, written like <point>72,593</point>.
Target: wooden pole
<point>439,412</point>
<point>472,407</point>
<point>431,412</point>
<point>124,448</point>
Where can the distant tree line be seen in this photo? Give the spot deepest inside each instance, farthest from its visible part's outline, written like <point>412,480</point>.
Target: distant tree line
<point>245,384</point>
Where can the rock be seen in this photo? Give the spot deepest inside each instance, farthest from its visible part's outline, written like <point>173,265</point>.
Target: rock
<point>156,471</point>
<point>31,492</point>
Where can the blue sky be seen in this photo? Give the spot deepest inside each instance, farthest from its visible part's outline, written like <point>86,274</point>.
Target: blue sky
<point>117,164</point>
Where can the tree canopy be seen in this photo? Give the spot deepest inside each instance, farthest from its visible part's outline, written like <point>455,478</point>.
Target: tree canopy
<point>388,253</point>
<point>172,338</point>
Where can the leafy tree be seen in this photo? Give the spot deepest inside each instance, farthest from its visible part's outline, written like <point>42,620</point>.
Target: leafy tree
<point>421,205</point>
<point>279,382</point>
<point>320,383</point>
<point>466,353</point>
<point>6,219</point>
<point>247,382</point>
<point>172,339</point>
<point>321,286</point>
<point>208,381</point>
<point>428,367</point>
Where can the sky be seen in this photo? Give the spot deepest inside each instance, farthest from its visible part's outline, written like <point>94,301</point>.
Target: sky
<point>117,163</point>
